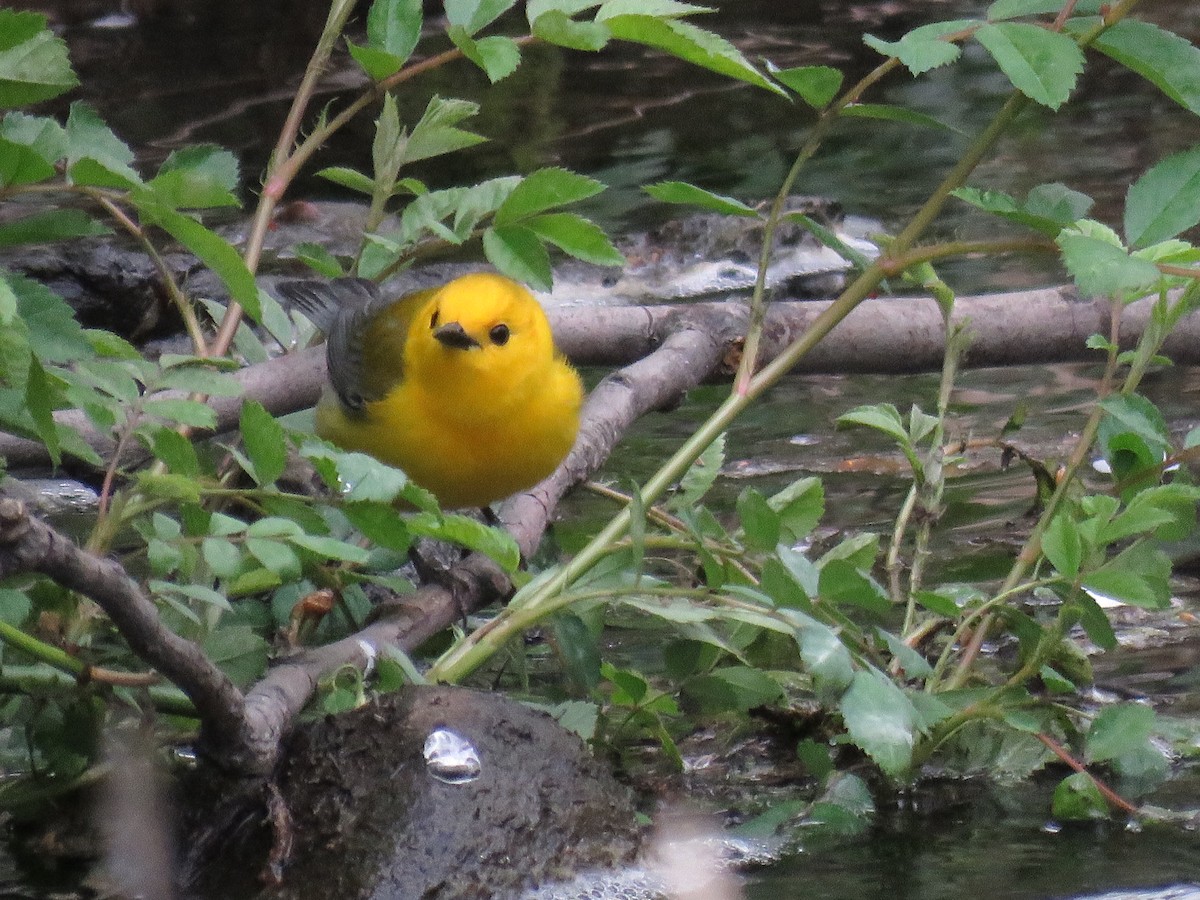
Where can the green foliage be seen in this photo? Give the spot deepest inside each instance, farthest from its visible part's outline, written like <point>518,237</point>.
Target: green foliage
<point>744,612</point>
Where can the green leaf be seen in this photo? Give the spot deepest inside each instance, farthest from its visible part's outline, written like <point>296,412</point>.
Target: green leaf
<point>380,523</point>
<point>737,688</point>
<point>436,132</point>
<point>319,259</point>
<point>1165,201</point>
<point>1138,576</point>
<point>690,195</point>
<point>378,64</point>
<point>395,27</point>
<point>816,85</point>
<point>1119,729</point>
<point>467,532</point>
<point>881,720</point>
<point>51,225</point>
<point>29,148</point>
<point>576,236</point>
<point>760,523</point>
<point>1132,415</point>
<point>882,417</point>
<point>557,27</point>
<point>841,582</point>
<point>543,190</point>
<point>33,62</point>
<point>264,441</point>
<point>686,41</point>
<point>922,48</point>
<point>95,156</point>
<point>473,15</point>
<point>276,557</point>
<point>1049,208</point>
<point>800,506</point>
<point>497,56</point>
<point>330,548</point>
<point>1062,545</point>
<point>826,657</point>
<point>1078,798</point>
<point>518,253</point>
<point>1041,64</point>
<point>664,9</point>
<point>1012,9</point>
<point>38,400</point>
<point>889,113</point>
<point>182,488</point>
<point>1166,60</point>
<point>199,177</point>
<point>54,334</point>
<point>348,178</point>
<point>212,249</point>
<point>239,652</point>
<point>1102,269</point>
<point>700,476</point>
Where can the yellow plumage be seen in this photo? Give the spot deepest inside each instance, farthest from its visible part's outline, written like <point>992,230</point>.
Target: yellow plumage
<point>459,386</point>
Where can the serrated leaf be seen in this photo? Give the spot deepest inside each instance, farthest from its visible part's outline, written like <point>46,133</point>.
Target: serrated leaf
<point>1166,60</point>
<point>239,652</point>
<point>95,156</point>
<point>889,113</point>
<point>1101,269</point>
<point>688,42</point>
<point>39,402</point>
<point>436,132</point>
<point>700,475</point>
<point>1048,208</point>
<point>473,15</point>
<point>1137,576</point>
<point>467,532</point>
<point>1061,544</point>
<point>182,411</point>
<point>34,64</point>
<point>689,194</point>
<point>29,148</point>
<point>557,27</point>
<point>816,85</point>
<point>826,657</point>
<point>1043,65</point>
<point>922,48</point>
<point>377,63</point>
<point>54,334</point>
<point>1119,729</point>
<point>263,438</point>
<point>800,506</point>
<point>577,237</point>
<point>543,190</point>
<point>664,9</point>
<point>1011,9</point>
<point>518,253</point>
<point>51,225</point>
<point>498,56</point>
<point>199,177</point>
<point>1165,201</point>
<point>842,582</point>
<point>395,26</point>
<point>882,417</point>
<point>760,523</point>
<point>880,719</point>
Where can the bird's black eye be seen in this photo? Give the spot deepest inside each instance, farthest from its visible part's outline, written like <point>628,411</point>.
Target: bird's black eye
<point>499,334</point>
<point>433,320</point>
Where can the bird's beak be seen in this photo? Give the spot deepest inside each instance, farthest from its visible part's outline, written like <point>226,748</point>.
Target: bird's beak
<point>452,335</point>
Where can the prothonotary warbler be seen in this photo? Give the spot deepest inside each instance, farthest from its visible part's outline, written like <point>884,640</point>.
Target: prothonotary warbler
<point>460,386</point>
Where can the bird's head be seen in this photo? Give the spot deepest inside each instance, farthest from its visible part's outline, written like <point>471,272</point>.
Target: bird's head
<point>481,326</point>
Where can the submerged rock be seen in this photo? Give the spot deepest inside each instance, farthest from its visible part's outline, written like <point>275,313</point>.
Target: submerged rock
<point>375,817</point>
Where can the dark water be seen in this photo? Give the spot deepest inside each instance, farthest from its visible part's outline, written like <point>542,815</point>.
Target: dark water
<point>222,72</point>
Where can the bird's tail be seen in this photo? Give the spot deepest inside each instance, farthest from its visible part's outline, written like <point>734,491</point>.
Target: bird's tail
<point>323,301</point>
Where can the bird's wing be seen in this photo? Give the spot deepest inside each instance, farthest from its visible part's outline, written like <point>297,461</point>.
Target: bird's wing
<point>364,333</point>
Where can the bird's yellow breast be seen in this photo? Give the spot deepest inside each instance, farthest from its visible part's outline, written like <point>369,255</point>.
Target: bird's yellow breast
<point>475,420</point>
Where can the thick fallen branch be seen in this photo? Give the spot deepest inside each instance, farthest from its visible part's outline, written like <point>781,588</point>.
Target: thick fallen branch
<point>883,335</point>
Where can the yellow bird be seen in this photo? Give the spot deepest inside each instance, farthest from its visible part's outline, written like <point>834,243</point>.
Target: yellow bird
<point>460,386</point>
